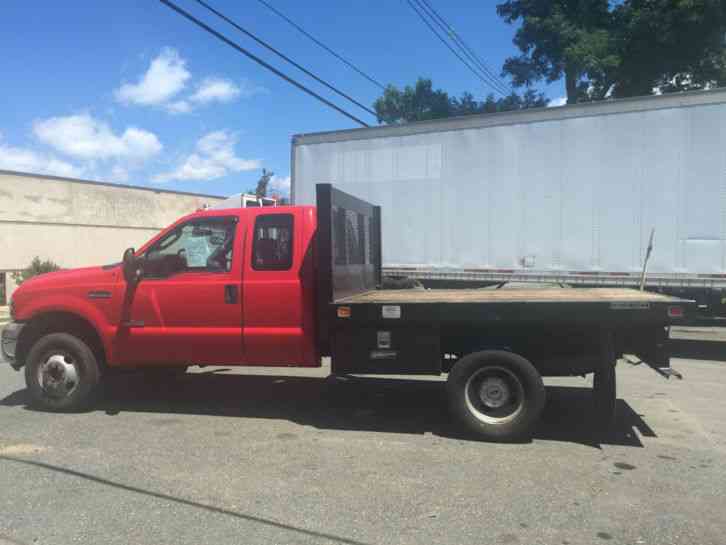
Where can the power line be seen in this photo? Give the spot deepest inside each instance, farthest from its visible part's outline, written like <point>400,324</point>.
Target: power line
<point>480,70</point>
<point>285,57</point>
<point>464,47</point>
<point>456,53</point>
<point>259,61</point>
<point>321,44</point>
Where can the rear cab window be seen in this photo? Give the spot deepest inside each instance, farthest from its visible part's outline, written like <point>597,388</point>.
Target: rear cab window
<point>272,246</point>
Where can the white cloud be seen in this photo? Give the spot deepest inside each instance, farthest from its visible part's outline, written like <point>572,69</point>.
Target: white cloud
<point>83,137</point>
<point>560,101</point>
<point>179,107</point>
<point>279,185</point>
<point>26,160</point>
<point>215,89</point>
<point>249,89</point>
<point>214,157</point>
<point>166,77</point>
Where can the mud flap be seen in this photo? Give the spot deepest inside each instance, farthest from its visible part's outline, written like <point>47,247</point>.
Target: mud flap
<point>653,348</point>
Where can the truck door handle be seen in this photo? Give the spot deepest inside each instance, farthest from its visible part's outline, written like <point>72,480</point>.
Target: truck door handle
<point>230,294</point>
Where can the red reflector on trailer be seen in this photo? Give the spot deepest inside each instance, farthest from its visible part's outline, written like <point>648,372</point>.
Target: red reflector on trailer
<point>344,312</point>
<point>675,312</point>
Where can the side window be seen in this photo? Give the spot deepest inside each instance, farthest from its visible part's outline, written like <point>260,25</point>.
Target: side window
<point>272,245</point>
<point>198,245</point>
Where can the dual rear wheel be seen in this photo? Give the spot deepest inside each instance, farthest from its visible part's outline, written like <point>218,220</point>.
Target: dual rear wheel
<point>496,395</point>
<point>499,396</point>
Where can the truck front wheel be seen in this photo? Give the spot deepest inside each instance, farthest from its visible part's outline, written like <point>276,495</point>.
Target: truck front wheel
<point>496,395</point>
<point>61,373</point>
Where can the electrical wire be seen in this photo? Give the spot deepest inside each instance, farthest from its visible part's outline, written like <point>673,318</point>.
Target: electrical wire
<point>464,47</point>
<point>259,61</point>
<point>321,44</point>
<point>284,57</point>
<point>421,15</point>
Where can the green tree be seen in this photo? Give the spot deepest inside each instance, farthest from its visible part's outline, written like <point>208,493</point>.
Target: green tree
<point>620,49</point>
<point>263,182</point>
<point>568,39</point>
<point>421,102</point>
<point>671,45</point>
<point>417,103</point>
<point>35,268</point>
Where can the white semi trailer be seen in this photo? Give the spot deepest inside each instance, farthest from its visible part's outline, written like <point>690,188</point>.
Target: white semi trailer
<point>568,194</point>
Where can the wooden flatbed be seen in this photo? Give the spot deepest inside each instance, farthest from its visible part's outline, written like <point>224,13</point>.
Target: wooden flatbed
<point>494,344</point>
<point>548,306</point>
<point>519,295</point>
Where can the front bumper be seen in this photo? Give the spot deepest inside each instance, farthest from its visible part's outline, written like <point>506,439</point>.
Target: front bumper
<point>9,343</point>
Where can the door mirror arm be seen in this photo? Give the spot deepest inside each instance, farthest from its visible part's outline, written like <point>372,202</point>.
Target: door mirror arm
<point>132,269</point>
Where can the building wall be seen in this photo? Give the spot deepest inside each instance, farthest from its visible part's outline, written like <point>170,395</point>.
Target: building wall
<point>77,223</point>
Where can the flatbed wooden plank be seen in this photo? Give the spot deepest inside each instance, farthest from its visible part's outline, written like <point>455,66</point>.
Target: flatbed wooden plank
<point>524,295</point>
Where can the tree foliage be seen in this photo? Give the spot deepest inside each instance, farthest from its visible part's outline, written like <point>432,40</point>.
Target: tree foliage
<point>422,102</point>
<point>263,182</point>
<point>625,48</point>
<point>35,268</point>
<point>672,45</point>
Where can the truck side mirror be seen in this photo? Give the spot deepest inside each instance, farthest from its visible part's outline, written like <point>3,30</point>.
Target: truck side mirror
<point>131,268</point>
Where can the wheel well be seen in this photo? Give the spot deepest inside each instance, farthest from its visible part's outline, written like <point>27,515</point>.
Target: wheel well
<point>60,322</point>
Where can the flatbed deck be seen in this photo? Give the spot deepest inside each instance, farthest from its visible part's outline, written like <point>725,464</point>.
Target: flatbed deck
<point>523,295</point>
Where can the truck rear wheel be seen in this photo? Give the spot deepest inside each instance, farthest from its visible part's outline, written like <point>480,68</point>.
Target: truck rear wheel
<point>61,373</point>
<point>496,395</point>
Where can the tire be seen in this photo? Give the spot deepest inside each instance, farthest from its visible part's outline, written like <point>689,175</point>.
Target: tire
<point>61,373</point>
<point>604,389</point>
<point>496,395</point>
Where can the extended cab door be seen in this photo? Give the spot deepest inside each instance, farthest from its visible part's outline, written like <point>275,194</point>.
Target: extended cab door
<point>188,306</point>
<point>279,288</point>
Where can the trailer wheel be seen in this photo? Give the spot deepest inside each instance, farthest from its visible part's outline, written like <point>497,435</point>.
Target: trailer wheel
<point>496,395</point>
<point>61,373</point>
<point>604,391</point>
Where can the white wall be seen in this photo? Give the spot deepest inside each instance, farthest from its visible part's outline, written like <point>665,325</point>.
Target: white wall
<point>79,224</point>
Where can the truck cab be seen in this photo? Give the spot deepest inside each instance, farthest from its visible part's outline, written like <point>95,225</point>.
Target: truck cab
<point>230,286</point>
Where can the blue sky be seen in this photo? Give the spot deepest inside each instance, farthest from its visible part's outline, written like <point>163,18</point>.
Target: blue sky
<point>130,92</point>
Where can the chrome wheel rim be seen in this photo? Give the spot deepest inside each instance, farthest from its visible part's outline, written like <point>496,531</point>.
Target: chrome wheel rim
<point>494,395</point>
<point>58,375</point>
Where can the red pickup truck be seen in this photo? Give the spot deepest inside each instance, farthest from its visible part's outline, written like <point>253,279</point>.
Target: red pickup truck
<point>287,286</point>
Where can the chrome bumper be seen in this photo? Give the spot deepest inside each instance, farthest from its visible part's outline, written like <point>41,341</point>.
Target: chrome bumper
<point>9,341</point>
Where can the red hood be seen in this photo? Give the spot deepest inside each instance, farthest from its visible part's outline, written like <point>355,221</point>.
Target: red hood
<point>67,282</point>
<point>65,278</point>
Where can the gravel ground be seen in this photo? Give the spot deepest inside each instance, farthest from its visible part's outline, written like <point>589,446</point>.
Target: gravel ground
<point>288,456</point>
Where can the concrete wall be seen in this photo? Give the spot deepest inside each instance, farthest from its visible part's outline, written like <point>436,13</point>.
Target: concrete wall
<point>77,223</point>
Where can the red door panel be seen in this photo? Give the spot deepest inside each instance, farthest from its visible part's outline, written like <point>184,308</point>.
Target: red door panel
<point>192,316</point>
<point>278,329</point>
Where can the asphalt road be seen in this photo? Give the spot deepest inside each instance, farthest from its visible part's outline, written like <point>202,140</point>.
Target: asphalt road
<point>286,456</point>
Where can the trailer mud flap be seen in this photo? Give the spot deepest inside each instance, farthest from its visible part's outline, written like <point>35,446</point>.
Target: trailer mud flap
<point>652,347</point>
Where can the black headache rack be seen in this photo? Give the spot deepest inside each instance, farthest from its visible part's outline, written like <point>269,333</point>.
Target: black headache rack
<point>348,252</point>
